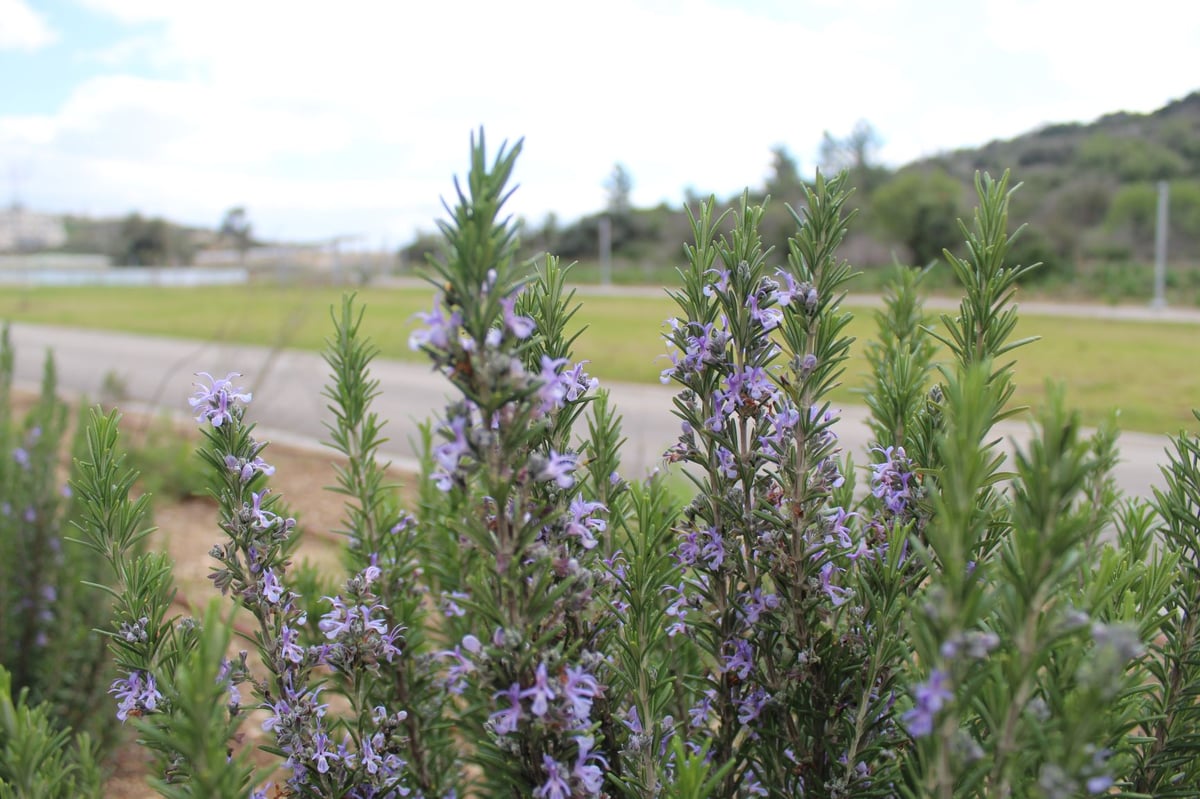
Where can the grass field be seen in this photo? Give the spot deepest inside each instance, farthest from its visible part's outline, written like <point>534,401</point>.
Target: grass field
<point>1146,370</point>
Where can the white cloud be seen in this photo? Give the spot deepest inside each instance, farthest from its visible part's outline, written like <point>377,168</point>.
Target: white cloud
<point>22,28</point>
<point>359,112</point>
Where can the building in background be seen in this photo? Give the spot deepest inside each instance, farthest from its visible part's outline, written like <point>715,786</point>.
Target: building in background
<point>22,230</point>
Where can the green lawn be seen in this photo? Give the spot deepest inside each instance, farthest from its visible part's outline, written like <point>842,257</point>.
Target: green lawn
<point>1147,370</point>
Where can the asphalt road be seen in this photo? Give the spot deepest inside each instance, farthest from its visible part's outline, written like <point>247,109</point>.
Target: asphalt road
<point>289,406</point>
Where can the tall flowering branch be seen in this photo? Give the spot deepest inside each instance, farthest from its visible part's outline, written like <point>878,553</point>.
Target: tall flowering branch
<point>522,652</point>
<point>768,556</point>
<point>382,543</point>
<point>359,637</point>
<point>160,658</point>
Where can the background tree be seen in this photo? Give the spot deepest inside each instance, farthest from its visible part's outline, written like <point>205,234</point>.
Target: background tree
<point>918,208</point>
<point>784,183</point>
<point>855,153</point>
<point>149,242</point>
<point>619,186</point>
<point>236,228</point>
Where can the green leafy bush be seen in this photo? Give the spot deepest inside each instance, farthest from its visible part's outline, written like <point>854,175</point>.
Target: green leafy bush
<point>540,624</point>
<point>47,615</point>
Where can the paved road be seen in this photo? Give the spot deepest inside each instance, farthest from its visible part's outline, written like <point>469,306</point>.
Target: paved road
<point>289,407</point>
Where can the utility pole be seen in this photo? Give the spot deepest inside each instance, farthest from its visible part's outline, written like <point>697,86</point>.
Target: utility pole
<point>1160,249</point>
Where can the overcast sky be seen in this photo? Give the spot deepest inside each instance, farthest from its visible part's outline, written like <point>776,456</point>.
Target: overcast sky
<point>352,117</point>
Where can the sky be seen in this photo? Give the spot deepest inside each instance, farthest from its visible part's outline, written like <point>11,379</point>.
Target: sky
<point>352,118</point>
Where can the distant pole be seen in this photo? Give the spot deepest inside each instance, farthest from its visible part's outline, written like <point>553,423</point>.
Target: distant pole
<point>1160,249</point>
<point>605,250</point>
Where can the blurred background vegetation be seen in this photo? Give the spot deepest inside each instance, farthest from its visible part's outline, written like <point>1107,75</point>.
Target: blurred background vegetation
<point>1088,197</point>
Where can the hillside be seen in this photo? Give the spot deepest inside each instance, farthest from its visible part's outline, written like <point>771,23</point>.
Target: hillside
<point>1088,196</point>
<point>1089,190</point>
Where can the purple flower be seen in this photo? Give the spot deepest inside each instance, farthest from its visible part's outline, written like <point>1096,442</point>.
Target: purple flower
<point>581,523</point>
<point>700,712</point>
<point>688,551</point>
<point>754,604</point>
<point>578,690</point>
<point>21,456</point>
<point>262,518</point>
<point>448,454</point>
<point>368,752</point>
<point>890,480</point>
<point>336,622</point>
<point>215,402</point>
<point>246,469</point>
<point>929,698</point>
<point>677,610</point>
<point>440,330</point>
<point>136,694</point>
<point>741,660</point>
<point>289,646</point>
<point>271,589</point>
<point>456,675</point>
<point>558,468</point>
<point>556,785</point>
<point>752,785</point>
<point>589,774</point>
<point>505,721</point>
<point>836,594</point>
<point>721,285</point>
<point>713,551</point>
<point>520,326</point>
<point>727,463</point>
<point>751,704</point>
<point>321,755</point>
<point>769,318</point>
<point>541,692</point>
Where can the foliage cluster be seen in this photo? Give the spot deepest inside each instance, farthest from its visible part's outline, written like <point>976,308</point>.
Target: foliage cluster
<point>1090,200</point>
<point>53,670</point>
<point>540,624</point>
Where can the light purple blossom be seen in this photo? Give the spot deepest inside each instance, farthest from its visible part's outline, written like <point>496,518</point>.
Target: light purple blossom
<point>589,774</point>
<point>891,480</point>
<point>579,688</point>
<point>520,326</point>
<point>929,698</point>
<point>558,468</point>
<point>450,606</point>
<point>439,331</point>
<point>541,692</point>
<point>136,694</point>
<point>556,785</point>
<point>216,402</point>
<point>769,318</point>
<point>836,594</point>
<point>741,660</point>
<point>677,610</point>
<point>713,551</point>
<point>456,675</point>
<point>726,463</point>
<point>246,469</point>
<point>720,285</point>
<point>506,720</point>
<point>581,521</point>
<point>755,603</point>
<point>750,705</point>
<point>271,589</point>
<point>321,754</point>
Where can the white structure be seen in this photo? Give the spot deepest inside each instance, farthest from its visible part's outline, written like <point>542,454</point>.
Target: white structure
<point>26,231</point>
